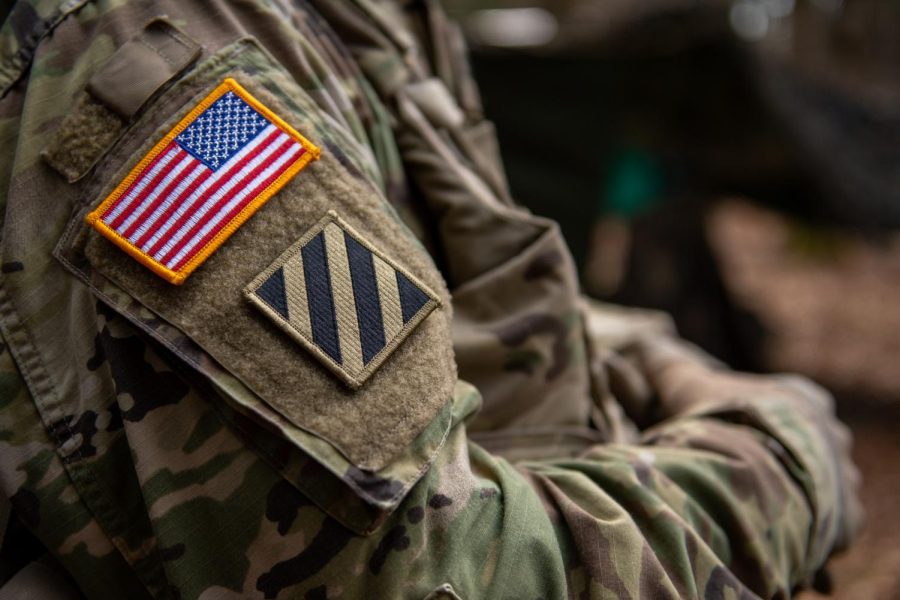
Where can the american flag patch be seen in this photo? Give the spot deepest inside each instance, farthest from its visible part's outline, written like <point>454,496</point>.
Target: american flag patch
<point>342,299</point>
<point>202,181</point>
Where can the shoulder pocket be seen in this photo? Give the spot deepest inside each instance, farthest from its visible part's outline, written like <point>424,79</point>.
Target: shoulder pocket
<point>253,316</point>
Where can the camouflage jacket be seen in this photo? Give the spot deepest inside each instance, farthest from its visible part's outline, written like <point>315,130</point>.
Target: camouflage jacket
<point>514,441</point>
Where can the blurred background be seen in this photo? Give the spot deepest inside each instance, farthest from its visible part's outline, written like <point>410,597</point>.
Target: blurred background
<point>735,163</point>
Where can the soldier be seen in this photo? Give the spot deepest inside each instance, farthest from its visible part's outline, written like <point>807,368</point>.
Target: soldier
<point>273,327</point>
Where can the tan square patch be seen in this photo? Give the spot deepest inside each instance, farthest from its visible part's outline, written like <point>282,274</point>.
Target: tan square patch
<point>342,299</point>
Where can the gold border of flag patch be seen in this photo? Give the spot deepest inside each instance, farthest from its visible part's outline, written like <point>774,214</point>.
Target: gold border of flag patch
<point>353,370</point>
<point>94,218</point>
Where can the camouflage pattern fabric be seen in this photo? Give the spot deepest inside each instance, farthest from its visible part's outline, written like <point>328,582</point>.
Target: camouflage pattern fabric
<point>584,452</point>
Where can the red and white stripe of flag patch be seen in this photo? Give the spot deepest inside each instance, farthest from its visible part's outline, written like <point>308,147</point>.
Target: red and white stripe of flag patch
<point>178,204</point>
<point>174,210</point>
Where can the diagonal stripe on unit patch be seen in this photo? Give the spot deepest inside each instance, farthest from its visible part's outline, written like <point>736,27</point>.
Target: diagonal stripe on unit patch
<point>342,299</point>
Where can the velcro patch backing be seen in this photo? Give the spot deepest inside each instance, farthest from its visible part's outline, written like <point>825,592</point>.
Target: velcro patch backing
<point>201,182</point>
<point>342,299</point>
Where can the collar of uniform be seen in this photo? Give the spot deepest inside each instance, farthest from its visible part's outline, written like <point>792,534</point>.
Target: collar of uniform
<point>27,24</point>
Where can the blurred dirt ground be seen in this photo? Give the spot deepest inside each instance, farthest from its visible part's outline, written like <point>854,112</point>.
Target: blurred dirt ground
<point>828,301</point>
<point>871,568</point>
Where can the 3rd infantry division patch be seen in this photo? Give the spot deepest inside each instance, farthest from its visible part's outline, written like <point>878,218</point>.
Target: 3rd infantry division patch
<point>342,299</point>
<point>201,182</point>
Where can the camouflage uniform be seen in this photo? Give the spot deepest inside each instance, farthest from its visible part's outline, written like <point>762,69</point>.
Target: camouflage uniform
<point>573,450</point>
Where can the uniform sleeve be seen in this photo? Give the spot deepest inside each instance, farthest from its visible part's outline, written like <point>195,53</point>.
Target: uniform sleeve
<point>744,487</point>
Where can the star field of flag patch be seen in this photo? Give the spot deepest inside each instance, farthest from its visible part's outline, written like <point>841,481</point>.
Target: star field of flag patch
<point>225,159</point>
<point>342,299</point>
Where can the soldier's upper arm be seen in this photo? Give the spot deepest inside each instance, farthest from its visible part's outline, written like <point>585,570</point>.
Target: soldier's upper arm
<point>234,223</point>
<point>243,362</point>
<point>240,353</point>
